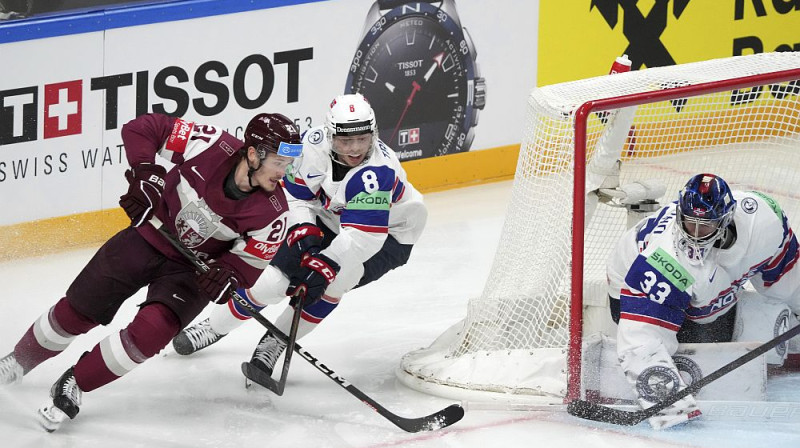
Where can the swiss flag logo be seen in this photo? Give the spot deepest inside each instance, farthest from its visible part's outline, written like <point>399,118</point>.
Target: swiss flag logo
<point>62,108</point>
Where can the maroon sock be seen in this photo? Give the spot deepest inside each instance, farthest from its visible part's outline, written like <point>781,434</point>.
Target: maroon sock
<point>63,320</point>
<point>148,333</point>
<point>91,371</point>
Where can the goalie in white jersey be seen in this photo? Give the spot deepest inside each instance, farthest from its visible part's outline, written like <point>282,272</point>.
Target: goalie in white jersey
<point>677,277</point>
<point>355,216</point>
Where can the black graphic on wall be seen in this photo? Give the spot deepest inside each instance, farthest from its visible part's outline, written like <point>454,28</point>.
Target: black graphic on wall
<point>642,32</point>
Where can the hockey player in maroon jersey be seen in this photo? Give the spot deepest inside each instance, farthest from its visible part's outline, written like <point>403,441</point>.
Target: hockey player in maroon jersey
<point>222,199</point>
<point>355,216</point>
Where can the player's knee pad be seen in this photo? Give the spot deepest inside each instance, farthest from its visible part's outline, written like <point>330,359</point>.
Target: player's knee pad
<point>151,330</point>
<point>760,319</point>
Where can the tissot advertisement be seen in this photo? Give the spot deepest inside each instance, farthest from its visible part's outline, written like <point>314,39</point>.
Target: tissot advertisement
<point>438,74</point>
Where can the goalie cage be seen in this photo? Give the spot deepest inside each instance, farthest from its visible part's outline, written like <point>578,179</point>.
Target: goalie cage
<point>521,340</point>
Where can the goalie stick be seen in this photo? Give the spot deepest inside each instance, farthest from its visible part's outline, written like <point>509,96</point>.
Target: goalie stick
<point>592,411</point>
<point>437,420</point>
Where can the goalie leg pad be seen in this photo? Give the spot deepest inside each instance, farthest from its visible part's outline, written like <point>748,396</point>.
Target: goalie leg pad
<point>760,319</point>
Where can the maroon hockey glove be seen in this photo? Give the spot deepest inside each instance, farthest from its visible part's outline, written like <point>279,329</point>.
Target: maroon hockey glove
<point>144,192</point>
<point>318,271</point>
<point>219,281</point>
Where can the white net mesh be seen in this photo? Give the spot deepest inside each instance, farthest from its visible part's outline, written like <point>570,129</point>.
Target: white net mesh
<point>515,336</point>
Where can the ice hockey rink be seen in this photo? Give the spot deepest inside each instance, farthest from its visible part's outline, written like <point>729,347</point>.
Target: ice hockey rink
<point>201,401</point>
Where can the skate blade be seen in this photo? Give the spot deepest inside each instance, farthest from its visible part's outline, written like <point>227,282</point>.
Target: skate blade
<point>50,417</point>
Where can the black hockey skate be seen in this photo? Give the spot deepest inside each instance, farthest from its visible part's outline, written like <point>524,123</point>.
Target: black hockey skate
<point>66,401</point>
<point>262,363</point>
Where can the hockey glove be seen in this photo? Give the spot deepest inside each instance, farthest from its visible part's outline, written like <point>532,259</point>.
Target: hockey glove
<point>144,192</point>
<point>218,282</point>
<point>304,238</point>
<point>318,271</point>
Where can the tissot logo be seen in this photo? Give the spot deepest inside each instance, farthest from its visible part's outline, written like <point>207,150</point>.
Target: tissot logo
<point>642,31</point>
<point>212,83</point>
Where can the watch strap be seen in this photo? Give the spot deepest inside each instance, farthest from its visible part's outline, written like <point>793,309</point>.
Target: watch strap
<point>390,4</point>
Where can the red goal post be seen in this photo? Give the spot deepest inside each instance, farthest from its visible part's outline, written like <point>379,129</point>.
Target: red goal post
<point>521,340</point>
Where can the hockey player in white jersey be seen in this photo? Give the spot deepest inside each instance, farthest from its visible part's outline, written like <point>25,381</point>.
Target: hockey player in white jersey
<point>355,216</point>
<point>677,277</point>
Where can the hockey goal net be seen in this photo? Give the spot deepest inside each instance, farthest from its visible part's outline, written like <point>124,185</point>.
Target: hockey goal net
<point>521,340</point>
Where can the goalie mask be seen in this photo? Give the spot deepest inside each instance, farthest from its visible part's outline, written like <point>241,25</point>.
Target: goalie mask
<point>351,128</point>
<point>705,209</point>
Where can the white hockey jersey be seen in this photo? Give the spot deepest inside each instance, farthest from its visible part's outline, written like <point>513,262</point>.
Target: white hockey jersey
<point>652,275</point>
<point>373,200</point>
<point>658,288</point>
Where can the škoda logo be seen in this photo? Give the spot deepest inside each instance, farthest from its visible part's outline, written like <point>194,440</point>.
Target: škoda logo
<point>643,32</point>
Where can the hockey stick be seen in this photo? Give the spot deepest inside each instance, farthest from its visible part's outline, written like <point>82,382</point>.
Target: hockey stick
<point>592,411</point>
<point>437,420</point>
<point>265,380</point>
<point>258,376</point>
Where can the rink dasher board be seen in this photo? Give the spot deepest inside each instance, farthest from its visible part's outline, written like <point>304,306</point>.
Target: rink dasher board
<point>731,411</point>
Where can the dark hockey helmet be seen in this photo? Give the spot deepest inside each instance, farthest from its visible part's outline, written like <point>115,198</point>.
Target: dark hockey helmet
<point>705,210</point>
<point>273,133</point>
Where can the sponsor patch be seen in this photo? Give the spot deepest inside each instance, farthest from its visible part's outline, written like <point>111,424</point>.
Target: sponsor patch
<point>179,136</point>
<point>262,250</point>
<point>290,149</point>
<point>664,263</point>
<point>773,204</point>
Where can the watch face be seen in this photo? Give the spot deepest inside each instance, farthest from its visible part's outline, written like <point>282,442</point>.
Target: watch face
<point>415,68</point>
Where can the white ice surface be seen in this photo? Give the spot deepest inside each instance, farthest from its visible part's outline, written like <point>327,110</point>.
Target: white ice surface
<point>200,401</point>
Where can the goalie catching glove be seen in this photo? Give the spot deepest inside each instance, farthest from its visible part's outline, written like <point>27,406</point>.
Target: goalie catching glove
<point>146,184</point>
<point>316,273</point>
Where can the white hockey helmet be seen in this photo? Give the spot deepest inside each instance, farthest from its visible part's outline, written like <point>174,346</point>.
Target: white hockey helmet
<point>351,115</point>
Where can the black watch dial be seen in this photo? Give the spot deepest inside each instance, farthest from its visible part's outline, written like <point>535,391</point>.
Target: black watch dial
<point>415,69</point>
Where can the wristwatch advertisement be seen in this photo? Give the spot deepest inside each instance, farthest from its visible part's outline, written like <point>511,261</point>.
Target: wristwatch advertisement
<point>416,66</point>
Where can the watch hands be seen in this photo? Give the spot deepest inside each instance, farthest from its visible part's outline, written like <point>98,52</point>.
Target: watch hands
<point>415,87</point>
<point>437,62</point>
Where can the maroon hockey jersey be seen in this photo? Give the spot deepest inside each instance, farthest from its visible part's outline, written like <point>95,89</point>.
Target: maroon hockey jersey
<point>243,233</point>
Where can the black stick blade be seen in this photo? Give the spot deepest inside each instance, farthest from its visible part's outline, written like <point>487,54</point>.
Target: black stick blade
<point>437,420</point>
<point>260,377</point>
<point>593,411</point>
